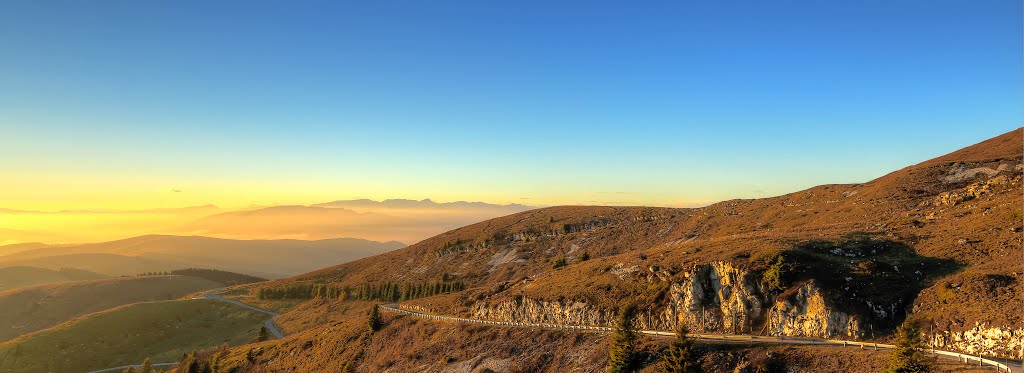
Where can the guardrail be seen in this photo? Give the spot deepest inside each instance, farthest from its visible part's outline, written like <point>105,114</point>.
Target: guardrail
<point>705,336</point>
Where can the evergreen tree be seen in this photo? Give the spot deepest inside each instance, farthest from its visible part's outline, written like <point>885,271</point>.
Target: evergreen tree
<point>622,351</point>
<point>678,358</point>
<point>908,356</point>
<point>374,320</point>
<point>264,334</point>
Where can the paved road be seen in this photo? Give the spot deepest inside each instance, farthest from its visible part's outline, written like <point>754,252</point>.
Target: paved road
<point>271,327</point>
<point>123,367</point>
<point>1002,365</point>
<point>269,324</point>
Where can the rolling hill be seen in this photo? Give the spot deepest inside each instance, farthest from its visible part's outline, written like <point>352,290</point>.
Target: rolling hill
<point>939,240</point>
<point>162,331</point>
<point>17,276</point>
<point>31,309</point>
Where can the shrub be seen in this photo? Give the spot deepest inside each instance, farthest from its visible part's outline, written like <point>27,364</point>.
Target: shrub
<point>779,273</point>
<point>558,263</point>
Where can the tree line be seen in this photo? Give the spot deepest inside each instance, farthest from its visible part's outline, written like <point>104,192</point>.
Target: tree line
<point>215,275</point>
<point>384,292</point>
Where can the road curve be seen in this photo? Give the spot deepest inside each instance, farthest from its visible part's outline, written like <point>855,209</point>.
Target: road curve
<point>269,324</point>
<point>1005,366</point>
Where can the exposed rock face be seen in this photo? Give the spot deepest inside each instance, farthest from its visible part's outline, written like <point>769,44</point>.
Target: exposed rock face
<point>716,297</point>
<point>982,340</point>
<point>544,312</point>
<point>960,172</point>
<point>808,314</point>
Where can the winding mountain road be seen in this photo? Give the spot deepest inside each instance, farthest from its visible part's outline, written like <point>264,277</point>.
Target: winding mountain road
<point>269,324</point>
<point>1001,365</point>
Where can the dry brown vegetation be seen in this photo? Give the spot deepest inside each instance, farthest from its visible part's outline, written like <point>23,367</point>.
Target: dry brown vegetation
<point>960,228</point>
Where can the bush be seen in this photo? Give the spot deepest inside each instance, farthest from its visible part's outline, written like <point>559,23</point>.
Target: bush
<point>558,263</point>
<point>779,273</point>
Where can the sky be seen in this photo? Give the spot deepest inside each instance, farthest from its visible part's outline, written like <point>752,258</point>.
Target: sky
<point>129,104</point>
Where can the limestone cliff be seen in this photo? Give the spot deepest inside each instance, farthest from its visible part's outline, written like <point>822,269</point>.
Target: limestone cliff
<point>807,313</point>
<point>716,297</point>
<point>982,340</point>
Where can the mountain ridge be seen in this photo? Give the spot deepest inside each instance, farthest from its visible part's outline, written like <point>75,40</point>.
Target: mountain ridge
<point>865,236</point>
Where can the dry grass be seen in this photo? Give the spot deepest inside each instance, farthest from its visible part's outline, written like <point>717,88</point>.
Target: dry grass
<point>978,240</point>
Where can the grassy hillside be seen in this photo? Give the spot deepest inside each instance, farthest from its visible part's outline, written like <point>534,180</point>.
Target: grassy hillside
<point>162,331</point>
<point>940,239</point>
<point>22,276</point>
<point>27,310</point>
<point>157,253</point>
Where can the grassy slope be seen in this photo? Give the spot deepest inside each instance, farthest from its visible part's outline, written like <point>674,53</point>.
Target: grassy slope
<point>979,239</point>
<point>408,344</point>
<point>22,276</point>
<point>977,235</point>
<point>27,310</point>
<point>162,331</point>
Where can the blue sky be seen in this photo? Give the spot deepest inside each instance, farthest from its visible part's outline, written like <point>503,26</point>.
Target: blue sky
<point>660,103</point>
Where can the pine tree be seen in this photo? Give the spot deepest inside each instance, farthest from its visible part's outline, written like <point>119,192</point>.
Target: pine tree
<point>374,320</point>
<point>908,356</point>
<point>264,334</point>
<point>678,358</point>
<point>622,351</point>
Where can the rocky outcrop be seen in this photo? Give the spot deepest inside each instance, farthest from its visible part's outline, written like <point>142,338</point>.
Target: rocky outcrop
<point>806,313</point>
<point>975,190</point>
<point>543,312</point>
<point>716,297</point>
<point>982,340</point>
<point>960,172</point>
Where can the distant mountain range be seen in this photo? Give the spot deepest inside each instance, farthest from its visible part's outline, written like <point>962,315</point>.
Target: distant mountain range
<point>390,220</point>
<point>394,219</point>
<point>356,204</point>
